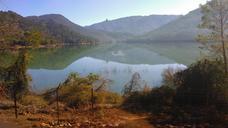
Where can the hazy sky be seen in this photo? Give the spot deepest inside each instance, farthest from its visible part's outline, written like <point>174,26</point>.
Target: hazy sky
<point>86,12</point>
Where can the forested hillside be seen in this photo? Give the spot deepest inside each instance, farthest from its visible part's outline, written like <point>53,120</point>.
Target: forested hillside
<point>60,20</point>
<point>15,28</point>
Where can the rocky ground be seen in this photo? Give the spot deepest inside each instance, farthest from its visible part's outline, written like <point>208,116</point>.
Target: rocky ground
<point>33,117</point>
<point>107,117</point>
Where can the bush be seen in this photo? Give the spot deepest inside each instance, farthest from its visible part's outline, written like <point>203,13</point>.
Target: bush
<point>76,91</point>
<point>75,95</point>
<point>168,76</point>
<point>157,100</point>
<point>35,100</point>
<point>203,83</point>
<point>107,97</point>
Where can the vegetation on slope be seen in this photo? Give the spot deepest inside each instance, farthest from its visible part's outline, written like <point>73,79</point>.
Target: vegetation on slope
<point>203,86</point>
<point>17,30</point>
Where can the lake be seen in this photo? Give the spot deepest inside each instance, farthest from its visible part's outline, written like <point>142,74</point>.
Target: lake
<point>116,62</point>
<point>118,73</point>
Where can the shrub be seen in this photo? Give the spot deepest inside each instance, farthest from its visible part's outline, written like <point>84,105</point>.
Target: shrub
<point>168,76</point>
<point>107,97</point>
<point>76,91</point>
<point>156,100</point>
<point>203,83</point>
<point>75,95</point>
<point>35,100</point>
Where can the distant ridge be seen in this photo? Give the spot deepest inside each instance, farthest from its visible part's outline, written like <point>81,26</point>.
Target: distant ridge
<point>61,20</point>
<point>135,25</point>
<point>184,28</point>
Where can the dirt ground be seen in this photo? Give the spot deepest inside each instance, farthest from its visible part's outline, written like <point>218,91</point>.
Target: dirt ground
<point>30,117</point>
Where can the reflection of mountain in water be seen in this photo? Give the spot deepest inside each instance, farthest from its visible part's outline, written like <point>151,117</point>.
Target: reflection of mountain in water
<point>58,58</point>
<point>118,72</point>
<point>117,53</point>
<point>62,57</point>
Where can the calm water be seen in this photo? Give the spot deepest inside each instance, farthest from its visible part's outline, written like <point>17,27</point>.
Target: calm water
<point>119,73</point>
<point>118,64</point>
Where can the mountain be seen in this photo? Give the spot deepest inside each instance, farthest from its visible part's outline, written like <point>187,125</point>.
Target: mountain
<point>135,25</point>
<point>182,29</point>
<point>14,28</point>
<point>61,20</point>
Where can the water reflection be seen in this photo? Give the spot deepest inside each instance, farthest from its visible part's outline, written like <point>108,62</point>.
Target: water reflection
<point>119,73</point>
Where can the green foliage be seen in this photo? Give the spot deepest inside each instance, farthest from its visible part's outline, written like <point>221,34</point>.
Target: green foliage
<point>14,32</point>
<point>17,30</point>
<point>155,100</point>
<point>33,38</point>
<point>203,83</point>
<point>15,76</point>
<point>35,100</point>
<point>76,91</point>
<point>107,97</point>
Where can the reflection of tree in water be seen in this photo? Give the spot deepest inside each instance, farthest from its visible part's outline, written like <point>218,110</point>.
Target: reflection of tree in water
<point>128,70</point>
<point>108,71</point>
<point>145,70</point>
<point>114,70</point>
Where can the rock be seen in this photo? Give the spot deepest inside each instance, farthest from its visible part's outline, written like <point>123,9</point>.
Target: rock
<point>103,125</point>
<point>78,124</point>
<point>34,119</point>
<point>44,125</point>
<point>68,124</point>
<point>116,125</point>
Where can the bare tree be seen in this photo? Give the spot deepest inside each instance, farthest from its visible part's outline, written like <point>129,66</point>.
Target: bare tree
<point>134,85</point>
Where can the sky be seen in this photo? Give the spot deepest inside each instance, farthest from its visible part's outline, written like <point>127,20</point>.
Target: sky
<point>87,12</point>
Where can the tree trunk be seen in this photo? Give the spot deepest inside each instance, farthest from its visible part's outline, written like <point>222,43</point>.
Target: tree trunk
<point>15,104</point>
<point>57,104</point>
<point>224,56</point>
<point>92,99</point>
<point>222,39</point>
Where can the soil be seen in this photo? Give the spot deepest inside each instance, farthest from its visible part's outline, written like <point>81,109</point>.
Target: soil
<point>32,117</point>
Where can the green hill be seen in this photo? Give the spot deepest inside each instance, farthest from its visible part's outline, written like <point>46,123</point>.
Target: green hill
<point>13,28</point>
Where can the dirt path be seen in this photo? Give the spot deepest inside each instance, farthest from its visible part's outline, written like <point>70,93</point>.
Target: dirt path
<point>136,121</point>
<point>8,125</point>
<point>139,123</point>
<point>111,116</point>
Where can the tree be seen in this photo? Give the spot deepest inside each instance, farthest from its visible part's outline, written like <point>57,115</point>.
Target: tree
<point>32,38</point>
<point>134,85</point>
<point>16,78</point>
<point>92,78</point>
<point>215,19</point>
